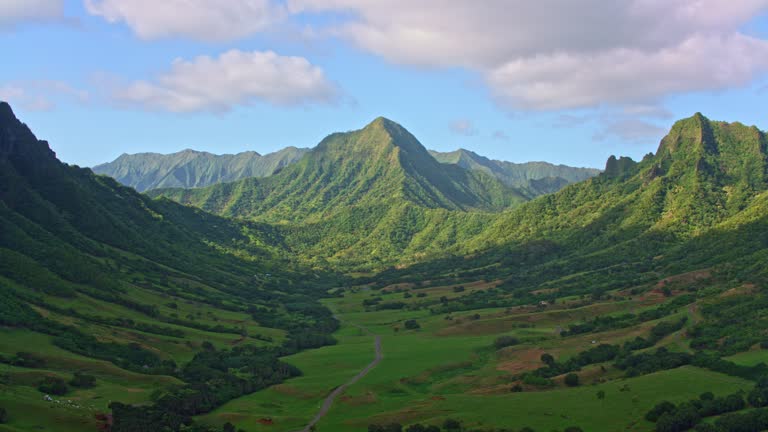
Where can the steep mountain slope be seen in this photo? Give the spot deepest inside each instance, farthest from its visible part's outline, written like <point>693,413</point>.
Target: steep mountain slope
<point>365,199</point>
<point>99,279</point>
<point>189,168</point>
<point>700,202</point>
<point>381,164</point>
<point>534,178</point>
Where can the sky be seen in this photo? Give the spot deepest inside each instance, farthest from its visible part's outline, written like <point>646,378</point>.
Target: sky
<point>563,81</point>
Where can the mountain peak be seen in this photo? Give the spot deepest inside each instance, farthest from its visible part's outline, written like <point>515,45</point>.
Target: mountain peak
<point>17,140</point>
<point>692,135</point>
<point>6,112</point>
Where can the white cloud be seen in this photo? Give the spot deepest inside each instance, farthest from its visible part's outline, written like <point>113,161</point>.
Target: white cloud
<point>233,78</point>
<point>219,20</point>
<point>492,32</point>
<point>562,80</point>
<point>463,127</point>
<point>13,12</point>
<point>555,54</point>
<point>41,95</point>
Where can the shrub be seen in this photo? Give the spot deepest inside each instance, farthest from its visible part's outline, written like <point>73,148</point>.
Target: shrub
<point>660,409</point>
<point>53,385</point>
<point>83,380</point>
<point>505,341</point>
<point>572,380</point>
<point>412,325</point>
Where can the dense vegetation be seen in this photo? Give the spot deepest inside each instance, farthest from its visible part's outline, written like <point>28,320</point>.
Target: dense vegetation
<point>71,240</point>
<point>649,273</point>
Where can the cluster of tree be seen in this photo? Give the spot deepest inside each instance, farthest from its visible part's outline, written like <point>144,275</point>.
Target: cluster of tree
<point>684,416</point>
<point>731,324</point>
<point>756,420</point>
<point>53,385</point>
<point>215,377</point>
<point>663,359</point>
<point>412,324</point>
<point>599,354</point>
<point>24,359</point>
<point>82,380</point>
<point>604,323</point>
<point>450,425</point>
<point>505,341</point>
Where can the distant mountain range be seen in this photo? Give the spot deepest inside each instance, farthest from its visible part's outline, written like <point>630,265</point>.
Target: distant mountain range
<point>190,168</point>
<point>194,169</point>
<point>534,178</point>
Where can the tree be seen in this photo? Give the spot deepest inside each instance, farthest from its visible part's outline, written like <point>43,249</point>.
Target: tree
<point>660,409</point>
<point>83,380</point>
<point>3,415</point>
<point>505,341</point>
<point>572,380</point>
<point>547,359</point>
<point>53,385</point>
<point>416,428</point>
<point>228,427</point>
<point>683,419</point>
<point>573,429</point>
<point>412,324</point>
<point>452,425</point>
<point>601,394</point>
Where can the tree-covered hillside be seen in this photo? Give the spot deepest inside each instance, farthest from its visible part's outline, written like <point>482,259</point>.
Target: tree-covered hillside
<point>101,281</point>
<point>192,169</point>
<point>701,201</point>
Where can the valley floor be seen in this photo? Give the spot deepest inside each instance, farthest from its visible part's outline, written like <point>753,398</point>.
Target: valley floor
<point>448,369</point>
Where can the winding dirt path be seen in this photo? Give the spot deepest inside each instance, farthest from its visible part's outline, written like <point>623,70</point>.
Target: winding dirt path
<point>331,398</point>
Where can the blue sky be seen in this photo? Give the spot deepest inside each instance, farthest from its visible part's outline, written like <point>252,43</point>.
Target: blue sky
<point>97,77</point>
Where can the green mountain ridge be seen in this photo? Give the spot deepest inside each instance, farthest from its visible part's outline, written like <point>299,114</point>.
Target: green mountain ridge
<point>381,163</point>
<point>701,201</point>
<point>534,178</point>
<point>192,169</point>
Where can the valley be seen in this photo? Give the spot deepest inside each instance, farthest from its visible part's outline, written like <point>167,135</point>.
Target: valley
<point>370,286</point>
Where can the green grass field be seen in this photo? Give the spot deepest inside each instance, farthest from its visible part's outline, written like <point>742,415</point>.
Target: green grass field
<point>448,369</point>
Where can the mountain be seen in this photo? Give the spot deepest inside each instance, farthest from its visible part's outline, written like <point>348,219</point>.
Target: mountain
<point>366,199</point>
<point>191,169</point>
<point>534,178</point>
<point>377,165</point>
<point>699,202</point>
<point>100,280</point>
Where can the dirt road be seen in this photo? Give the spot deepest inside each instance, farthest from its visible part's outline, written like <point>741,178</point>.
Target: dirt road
<point>328,402</point>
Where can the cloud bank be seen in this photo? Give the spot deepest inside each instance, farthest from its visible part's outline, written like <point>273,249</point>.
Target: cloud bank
<point>234,78</point>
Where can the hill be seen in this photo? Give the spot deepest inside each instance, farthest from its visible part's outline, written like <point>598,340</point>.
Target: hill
<point>134,297</point>
<point>534,178</point>
<point>192,169</point>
